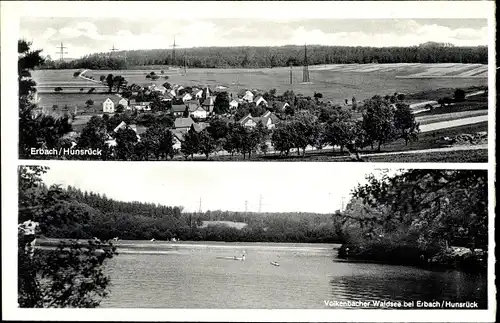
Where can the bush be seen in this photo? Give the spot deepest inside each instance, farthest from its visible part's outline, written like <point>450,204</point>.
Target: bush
<point>58,89</point>
<point>459,95</point>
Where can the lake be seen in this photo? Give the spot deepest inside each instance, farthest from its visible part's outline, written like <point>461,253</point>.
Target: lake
<point>193,275</point>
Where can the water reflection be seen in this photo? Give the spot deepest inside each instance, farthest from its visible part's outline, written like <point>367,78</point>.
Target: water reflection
<point>195,277</point>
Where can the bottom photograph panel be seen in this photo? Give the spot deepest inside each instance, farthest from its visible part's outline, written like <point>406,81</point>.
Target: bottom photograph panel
<point>251,236</point>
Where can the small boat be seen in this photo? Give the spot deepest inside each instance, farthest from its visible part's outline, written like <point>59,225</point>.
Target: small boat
<point>275,263</point>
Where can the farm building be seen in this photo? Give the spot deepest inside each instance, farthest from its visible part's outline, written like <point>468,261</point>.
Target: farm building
<point>198,112</point>
<point>124,102</point>
<point>200,126</point>
<point>280,105</point>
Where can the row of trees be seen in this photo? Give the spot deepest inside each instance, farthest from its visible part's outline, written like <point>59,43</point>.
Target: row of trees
<point>83,215</point>
<point>381,122</point>
<point>212,57</point>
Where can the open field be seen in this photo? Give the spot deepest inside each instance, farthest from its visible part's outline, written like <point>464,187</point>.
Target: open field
<point>72,99</point>
<point>442,117</point>
<point>335,82</point>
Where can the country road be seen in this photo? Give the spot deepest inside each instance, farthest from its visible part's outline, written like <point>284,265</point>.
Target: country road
<point>452,123</point>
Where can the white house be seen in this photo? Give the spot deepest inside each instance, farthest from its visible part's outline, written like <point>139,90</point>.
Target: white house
<point>108,106</point>
<point>248,121</point>
<point>124,102</point>
<point>198,94</point>
<point>186,97</point>
<point>199,113</point>
<point>248,96</point>
<point>259,99</point>
<point>233,104</point>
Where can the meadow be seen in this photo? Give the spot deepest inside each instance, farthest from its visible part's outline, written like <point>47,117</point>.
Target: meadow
<point>335,82</point>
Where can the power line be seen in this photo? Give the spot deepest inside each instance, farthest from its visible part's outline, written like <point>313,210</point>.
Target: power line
<point>61,51</point>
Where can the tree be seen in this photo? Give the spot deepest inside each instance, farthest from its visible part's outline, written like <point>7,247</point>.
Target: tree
<point>221,104</point>
<point>159,141</point>
<point>89,103</point>
<point>58,89</point>
<point>119,108</point>
<point>459,95</point>
<point>92,90</point>
<point>71,275</point>
<point>431,208</point>
<point>125,142</point>
<point>206,143</point>
<point>110,82</point>
<point>404,122</point>
<point>94,135</point>
<point>102,78</point>
<point>35,131</point>
<point>378,121</point>
<point>190,144</point>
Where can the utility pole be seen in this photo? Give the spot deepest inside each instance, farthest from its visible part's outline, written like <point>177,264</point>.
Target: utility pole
<point>173,52</point>
<point>342,205</point>
<point>291,79</point>
<point>62,52</point>
<point>305,77</point>
<point>113,50</point>
<point>185,62</point>
<point>199,207</point>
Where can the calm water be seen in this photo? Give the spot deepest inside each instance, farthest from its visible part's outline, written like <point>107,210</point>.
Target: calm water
<point>189,275</point>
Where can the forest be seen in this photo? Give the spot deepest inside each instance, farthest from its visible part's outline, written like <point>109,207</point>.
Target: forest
<point>269,57</point>
<point>72,213</point>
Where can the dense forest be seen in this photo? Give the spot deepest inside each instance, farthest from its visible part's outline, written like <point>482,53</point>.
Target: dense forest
<point>96,215</point>
<point>254,57</point>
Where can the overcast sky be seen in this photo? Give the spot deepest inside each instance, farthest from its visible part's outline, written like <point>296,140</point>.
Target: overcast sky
<point>86,35</point>
<point>307,187</point>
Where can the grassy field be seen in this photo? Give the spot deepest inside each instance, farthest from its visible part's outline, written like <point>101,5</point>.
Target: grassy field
<point>441,117</point>
<point>462,156</point>
<point>335,82</point>
<point>72,99</point>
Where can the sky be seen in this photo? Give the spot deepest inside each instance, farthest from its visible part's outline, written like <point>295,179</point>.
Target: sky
<point>85,35</point>
<point>284,187</point>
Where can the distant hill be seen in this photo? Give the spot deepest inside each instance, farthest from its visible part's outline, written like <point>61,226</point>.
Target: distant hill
<point>432,44</point>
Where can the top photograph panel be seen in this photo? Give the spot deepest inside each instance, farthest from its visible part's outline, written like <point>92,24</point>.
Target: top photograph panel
<point>219,89</point>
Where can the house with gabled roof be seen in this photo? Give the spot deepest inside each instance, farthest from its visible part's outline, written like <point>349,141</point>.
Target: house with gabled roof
<point>108,106</point>
<point>280,105</point>
<point>268,119</point>
<point>234,104</point>
<point>183,123</point>
<point>184,97</point>
<point>248,121</point>
<point>199,126</point>
<point>178,109</point>
<point>248,96</point>
<point>198,93</point>
<point>260,100</point>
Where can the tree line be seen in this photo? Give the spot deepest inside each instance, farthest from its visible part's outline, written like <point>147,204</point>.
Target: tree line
<point>255,57</point>
<point>77,214</point>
